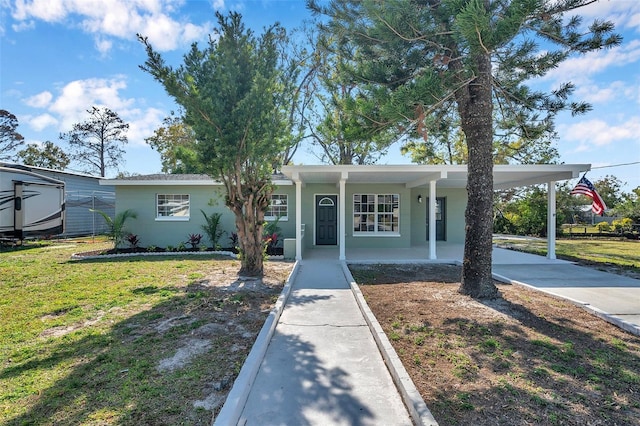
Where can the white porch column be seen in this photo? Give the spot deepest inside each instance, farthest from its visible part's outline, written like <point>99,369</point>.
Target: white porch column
<point>343,215</point>
<point>551,220</point>
<point>432,219</point>
<point>298,218</point>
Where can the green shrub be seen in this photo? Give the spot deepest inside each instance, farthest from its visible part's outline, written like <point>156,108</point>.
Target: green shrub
<point>212,227</point>
<point>603,226</point>
<point>117,232</point>
<point>623,225</point>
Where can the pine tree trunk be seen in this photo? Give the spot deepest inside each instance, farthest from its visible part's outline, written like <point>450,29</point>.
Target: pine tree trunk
<point>476,113</point>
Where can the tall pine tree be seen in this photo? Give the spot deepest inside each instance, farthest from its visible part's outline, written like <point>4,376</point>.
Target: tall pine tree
<point>424,56</point>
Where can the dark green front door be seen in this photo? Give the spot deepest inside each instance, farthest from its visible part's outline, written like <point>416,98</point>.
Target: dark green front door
<point>326,220</point>
<point>441,219</point>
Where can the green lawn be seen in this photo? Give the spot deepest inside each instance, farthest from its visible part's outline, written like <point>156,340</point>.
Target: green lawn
<point>623,253</point>
<point>77,347</point>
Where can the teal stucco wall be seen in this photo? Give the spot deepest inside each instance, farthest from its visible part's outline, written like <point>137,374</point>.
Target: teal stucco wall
<point>152,231</point>
<point>412,221</point>
<point>166,232</point>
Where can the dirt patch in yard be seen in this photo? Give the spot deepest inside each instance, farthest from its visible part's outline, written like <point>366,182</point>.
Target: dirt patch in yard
<point>212,333</point>
<point>526,358</point>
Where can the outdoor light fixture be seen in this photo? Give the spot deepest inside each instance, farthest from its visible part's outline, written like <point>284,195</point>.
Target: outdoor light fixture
<point>419,198</point>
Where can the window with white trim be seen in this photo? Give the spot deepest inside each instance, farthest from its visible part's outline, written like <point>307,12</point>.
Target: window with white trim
<point>376,214</point>
<point>278,208</point>
<point>172,207</point>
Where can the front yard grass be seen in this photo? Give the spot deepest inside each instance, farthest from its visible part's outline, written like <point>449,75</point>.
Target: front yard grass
<point>612,255</point>
<point>139,340</point>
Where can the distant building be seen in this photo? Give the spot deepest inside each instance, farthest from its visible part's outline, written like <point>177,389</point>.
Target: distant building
<point>82,194</point>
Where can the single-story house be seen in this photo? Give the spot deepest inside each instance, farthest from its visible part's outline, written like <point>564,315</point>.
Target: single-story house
<point>345,206</point>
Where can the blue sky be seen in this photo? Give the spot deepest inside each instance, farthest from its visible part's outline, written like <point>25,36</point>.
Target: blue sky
<point>60,57</point>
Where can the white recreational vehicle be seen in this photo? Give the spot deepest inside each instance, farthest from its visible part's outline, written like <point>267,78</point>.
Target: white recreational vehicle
<point>31,204</point>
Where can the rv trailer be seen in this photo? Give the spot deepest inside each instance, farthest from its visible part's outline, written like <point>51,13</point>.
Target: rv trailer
<point>31,205</point>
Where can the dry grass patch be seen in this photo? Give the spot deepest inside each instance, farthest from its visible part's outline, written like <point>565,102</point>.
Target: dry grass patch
<point>526,358</point>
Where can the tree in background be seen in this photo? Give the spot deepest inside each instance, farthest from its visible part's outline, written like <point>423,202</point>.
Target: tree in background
<point>630,206</point>
<point>10,139</point>
<point>523,211</point>
<point>237,94</point>
<point>336,114</point>
<point>445,143</point>
<point>465,57</point>
<point>48,155</point>
<point>610,189</point>
<point>175,141</point>
<point>95,143</point>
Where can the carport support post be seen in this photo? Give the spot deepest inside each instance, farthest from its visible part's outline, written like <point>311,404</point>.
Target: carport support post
<point>551,220</point>
<point>432,220</point>
<point>343,216</point>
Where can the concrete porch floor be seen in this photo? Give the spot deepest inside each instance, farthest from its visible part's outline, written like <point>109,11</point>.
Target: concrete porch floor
<point>445,252</point>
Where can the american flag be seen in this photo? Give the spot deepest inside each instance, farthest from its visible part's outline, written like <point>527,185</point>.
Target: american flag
<point>584,187</point>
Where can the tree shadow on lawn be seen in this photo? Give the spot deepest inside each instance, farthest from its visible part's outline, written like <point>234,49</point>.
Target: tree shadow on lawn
<point>150,368</point>
<point>553,370</point>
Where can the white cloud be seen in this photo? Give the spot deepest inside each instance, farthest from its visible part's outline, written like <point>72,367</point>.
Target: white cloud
<point>616,92</point>
<point>142,123</point>
<point>103,46</point>
<point>24,26</point>
<point>42,121</point>
<point>79,95</point>
<point>579,69</point>
<point>623,13</point>
<point>595,133</point>
<point>45,10</point>
<point>41,100</point>
<point>70,104</point>
<point>116,18</point>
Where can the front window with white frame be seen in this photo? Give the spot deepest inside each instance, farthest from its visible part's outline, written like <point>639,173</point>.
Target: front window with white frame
<point>278,208</point>
<point>376,214</point>
<point>172,207</point>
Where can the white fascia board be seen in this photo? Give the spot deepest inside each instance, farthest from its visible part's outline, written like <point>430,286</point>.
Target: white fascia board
<point>118,182</point>
<point>543,173</point>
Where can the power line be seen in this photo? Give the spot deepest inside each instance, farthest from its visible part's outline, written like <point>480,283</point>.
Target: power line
<point>616,165</point>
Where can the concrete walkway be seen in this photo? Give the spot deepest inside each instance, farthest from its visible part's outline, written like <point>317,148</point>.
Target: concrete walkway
<point>322,366</point>
<point>316,361</point>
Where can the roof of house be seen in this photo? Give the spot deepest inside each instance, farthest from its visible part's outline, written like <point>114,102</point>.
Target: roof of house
<point>409,175</point>
<point>446,176</point>
<point>161,179</point>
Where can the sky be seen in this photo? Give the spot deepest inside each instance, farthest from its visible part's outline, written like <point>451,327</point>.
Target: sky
<point>58,58</point>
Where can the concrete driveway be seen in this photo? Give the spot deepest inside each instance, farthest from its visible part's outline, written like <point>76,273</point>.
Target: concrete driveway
<point>615,298</point>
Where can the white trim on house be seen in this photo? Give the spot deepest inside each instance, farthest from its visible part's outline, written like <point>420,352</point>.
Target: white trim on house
<point>433,177</point>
